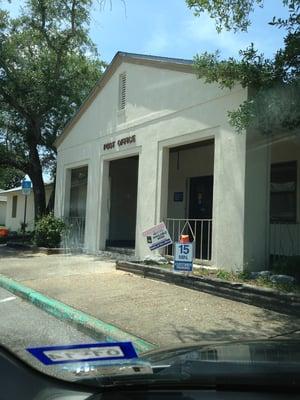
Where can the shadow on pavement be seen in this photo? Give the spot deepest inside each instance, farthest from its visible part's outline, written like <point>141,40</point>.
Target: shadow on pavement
<point>284,327</point>
<point>6,252</point>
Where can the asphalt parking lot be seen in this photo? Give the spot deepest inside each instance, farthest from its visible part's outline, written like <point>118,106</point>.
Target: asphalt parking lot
<point>160,313</point>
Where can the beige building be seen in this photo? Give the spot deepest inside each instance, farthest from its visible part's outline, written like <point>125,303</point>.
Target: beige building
<point>153,143</point>
<point>16,205</point>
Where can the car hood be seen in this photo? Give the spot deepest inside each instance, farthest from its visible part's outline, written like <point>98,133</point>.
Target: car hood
<point>256,351</point>
<point>260,363</point>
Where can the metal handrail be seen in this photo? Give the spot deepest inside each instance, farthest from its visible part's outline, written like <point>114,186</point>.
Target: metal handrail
<point>74,236</point>
<point>189,219</point>
<point>284,239</point>
<point>200,231</point>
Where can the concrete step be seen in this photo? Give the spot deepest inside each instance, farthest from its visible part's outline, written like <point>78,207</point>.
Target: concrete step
<point>121,250</point>
<point>115,254</point>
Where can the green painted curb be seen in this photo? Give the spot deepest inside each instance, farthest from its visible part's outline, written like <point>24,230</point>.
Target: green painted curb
<point>85,322</point>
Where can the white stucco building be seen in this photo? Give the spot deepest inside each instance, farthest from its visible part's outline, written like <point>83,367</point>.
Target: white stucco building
<point>15,208</point>
<point>153,143</point>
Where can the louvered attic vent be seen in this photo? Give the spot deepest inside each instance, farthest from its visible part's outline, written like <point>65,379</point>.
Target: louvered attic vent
<point>122,91</point>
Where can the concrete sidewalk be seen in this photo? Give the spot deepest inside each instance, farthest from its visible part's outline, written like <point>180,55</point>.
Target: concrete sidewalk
<point>160,313</point>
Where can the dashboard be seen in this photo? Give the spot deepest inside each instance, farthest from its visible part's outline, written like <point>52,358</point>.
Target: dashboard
<point>19,380</point>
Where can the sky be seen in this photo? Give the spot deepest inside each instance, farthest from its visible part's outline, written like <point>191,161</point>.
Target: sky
<point>169,28</point>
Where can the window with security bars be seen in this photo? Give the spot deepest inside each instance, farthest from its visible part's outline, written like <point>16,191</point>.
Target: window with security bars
<point>14,206</point>
<point>78,193</point>
<point>283,201</point>
<point>122,91</point>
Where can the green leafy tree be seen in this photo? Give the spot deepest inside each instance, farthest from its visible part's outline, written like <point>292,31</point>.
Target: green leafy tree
<point>10,178</point>
<point>274,86</point>
<point>48,65</point>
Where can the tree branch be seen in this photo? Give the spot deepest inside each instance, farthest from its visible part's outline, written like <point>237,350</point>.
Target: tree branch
<point>13,160</point>
<point>12,102</point>
<point>42,26</point>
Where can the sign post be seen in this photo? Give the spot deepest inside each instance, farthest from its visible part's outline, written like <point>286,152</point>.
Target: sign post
<point>26,190</point>
<point>157,237</point>
<point>183,257</point>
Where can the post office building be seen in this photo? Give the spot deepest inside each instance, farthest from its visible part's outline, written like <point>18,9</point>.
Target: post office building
<point>153,143</point>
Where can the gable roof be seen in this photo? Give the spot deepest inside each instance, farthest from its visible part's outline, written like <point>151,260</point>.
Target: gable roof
<point>175,64</point>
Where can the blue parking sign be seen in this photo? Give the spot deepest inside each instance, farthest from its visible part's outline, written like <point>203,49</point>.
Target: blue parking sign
<point>26,184</point>
<point>183,257</point>
<point>26,187</point>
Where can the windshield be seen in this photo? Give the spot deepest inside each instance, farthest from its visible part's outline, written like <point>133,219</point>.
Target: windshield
<point>150,189</point>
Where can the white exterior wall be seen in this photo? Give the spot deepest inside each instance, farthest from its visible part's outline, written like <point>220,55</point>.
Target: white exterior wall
<point>165,108</point>
<point>14,224</point>
<point>229,194</point>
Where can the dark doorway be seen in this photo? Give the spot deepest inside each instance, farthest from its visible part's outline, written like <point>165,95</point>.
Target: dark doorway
<point>200,208</point>
<point>77,209</point>
<point>201,196</point>
<point>123,176</point>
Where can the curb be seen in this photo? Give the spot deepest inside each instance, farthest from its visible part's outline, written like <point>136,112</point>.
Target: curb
<point>85,322</point>
<point>261,297</point>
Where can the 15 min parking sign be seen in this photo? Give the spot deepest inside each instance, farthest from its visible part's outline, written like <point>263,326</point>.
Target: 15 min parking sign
<point>183,257</point>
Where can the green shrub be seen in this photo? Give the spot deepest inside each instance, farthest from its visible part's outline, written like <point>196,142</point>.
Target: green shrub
<point>221,274</point>
<point>243,275</point>
<point>48,231</point>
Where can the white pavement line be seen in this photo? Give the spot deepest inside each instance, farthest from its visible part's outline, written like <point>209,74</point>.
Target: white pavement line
<point>8,299</point>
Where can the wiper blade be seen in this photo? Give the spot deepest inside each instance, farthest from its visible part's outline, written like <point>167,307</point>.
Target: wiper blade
<point>208,375</point>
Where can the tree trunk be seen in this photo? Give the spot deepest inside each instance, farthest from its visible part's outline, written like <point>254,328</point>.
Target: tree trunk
<point>36,175</point>
<point>50,206</point>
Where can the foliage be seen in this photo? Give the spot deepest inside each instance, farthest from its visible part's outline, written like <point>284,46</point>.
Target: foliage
<point>282,287</point>
<point>20,237</point>
<point>222,274</point>
<point>243,277</point>
<point>274,87</point>
<point>227,13</point>
<point>10,178</point>
<point>48,65</point>
<point>49,231</point>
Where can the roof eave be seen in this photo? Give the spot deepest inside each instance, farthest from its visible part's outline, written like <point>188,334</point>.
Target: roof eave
<point>19,188</point>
